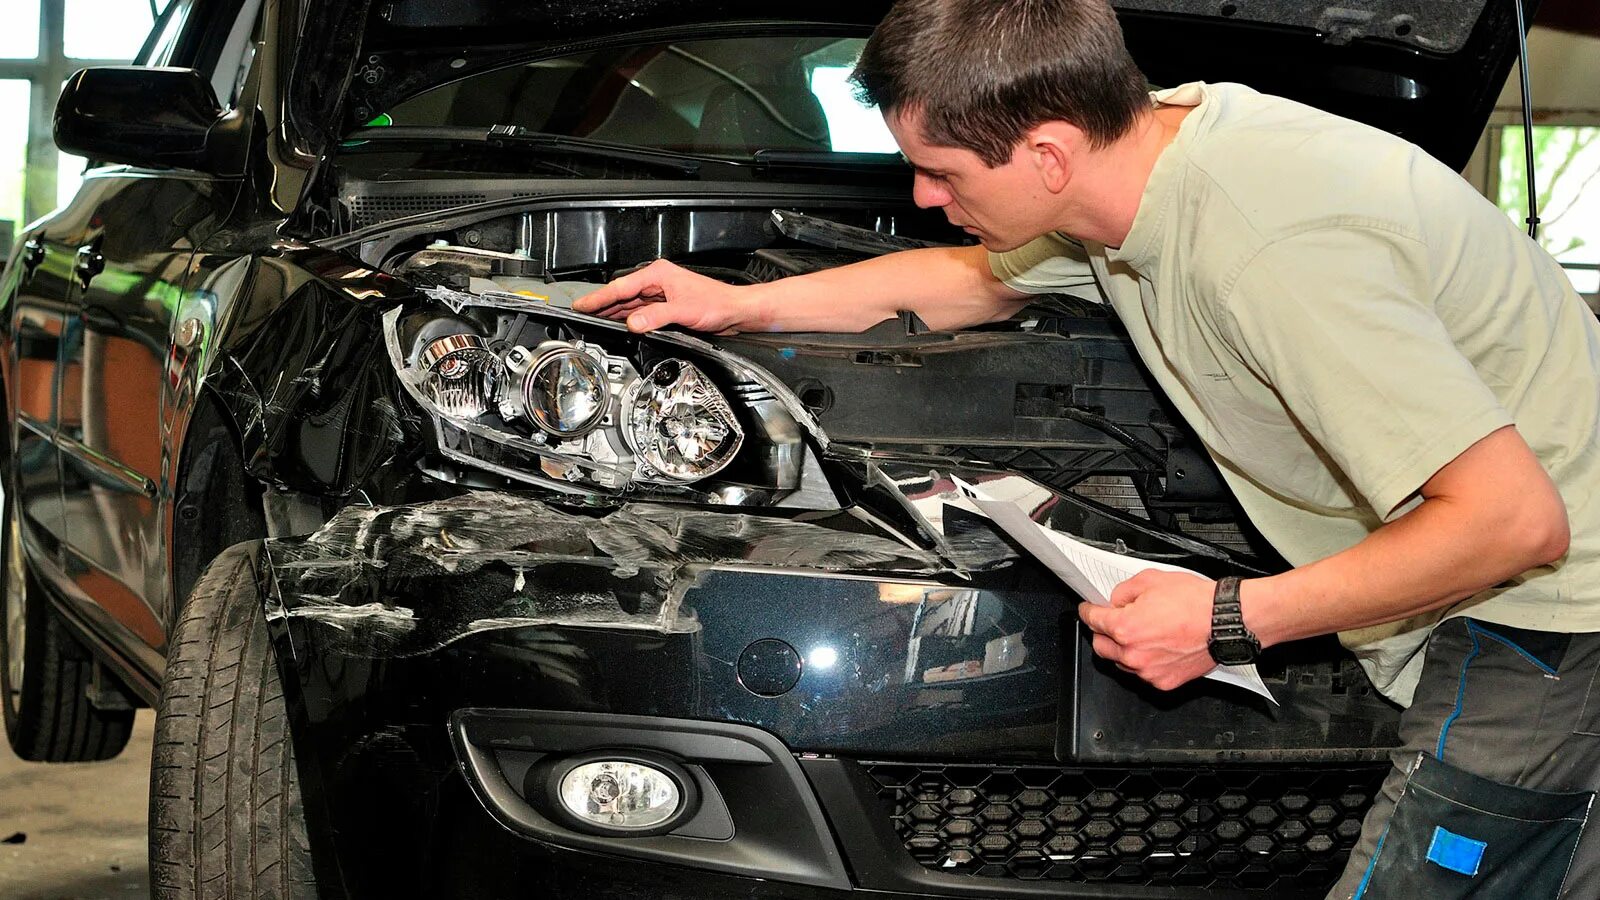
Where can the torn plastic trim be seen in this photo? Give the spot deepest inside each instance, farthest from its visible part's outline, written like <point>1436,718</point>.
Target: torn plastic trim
<point>407,580</point>
<point>926,493</point>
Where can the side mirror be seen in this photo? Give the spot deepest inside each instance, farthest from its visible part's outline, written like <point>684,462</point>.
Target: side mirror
<point>145,116</point>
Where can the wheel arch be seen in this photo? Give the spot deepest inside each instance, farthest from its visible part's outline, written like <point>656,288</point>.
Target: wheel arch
<point>216,503</point>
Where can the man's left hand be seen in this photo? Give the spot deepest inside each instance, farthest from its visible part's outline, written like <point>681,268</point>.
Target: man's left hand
<point>1156,627</point>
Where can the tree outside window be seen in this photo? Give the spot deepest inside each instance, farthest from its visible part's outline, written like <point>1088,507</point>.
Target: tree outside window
<point>1567,175</point>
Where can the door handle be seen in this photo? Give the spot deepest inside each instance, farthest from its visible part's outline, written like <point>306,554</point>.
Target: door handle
<point>90,262</point>
<point>32,256</point>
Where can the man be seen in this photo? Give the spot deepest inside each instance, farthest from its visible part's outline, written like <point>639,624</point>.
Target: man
<point>1402,390</point>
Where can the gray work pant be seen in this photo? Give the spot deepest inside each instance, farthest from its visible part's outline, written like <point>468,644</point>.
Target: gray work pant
<point>1512,706</point>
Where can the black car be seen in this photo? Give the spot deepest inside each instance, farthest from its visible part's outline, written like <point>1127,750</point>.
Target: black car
<point>442,589</point>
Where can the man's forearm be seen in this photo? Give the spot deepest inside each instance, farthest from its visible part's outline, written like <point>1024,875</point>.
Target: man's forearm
<point>1450,547</point>
<point>1490,514</point>
<point>949,288</point>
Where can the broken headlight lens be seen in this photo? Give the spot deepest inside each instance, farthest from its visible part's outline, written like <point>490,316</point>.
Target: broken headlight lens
<point>679,423</point>
<point>462,375</point>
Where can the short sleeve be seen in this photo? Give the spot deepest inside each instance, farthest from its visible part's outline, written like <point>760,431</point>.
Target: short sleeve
<point>1340,323</point>
<point>1045,264</point>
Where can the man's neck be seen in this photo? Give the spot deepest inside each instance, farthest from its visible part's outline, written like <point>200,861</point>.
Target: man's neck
<point>1112,179</point>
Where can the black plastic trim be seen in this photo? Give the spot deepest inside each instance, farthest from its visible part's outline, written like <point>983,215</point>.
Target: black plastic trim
<point>881,863</point>
<point>780,832</point>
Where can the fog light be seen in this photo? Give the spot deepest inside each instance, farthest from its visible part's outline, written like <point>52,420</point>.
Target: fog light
<point>622,793</point>
<point>618,794</point>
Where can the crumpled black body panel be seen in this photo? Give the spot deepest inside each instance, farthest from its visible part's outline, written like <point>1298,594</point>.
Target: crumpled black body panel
<point>488,561</point>
<point>306,378</point>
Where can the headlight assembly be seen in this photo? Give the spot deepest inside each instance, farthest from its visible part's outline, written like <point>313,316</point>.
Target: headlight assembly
<point>548,396</point>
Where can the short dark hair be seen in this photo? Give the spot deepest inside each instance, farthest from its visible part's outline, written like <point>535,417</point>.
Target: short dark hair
<point>984,72</point>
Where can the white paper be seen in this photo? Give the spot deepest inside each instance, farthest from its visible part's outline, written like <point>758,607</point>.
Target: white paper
<point>1091,572</point>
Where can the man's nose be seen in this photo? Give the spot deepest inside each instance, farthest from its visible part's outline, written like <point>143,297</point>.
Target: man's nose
<point>928,193</point>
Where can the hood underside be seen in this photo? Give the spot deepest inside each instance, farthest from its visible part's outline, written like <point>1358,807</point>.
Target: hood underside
<point>1428,70</point>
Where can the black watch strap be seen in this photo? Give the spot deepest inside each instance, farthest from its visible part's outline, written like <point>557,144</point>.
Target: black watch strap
<point>1231,643</point>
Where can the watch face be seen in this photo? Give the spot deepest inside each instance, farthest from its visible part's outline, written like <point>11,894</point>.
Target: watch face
<point>1233,653</point>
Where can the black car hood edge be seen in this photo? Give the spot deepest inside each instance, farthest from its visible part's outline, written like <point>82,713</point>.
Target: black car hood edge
<point>1429,71</point>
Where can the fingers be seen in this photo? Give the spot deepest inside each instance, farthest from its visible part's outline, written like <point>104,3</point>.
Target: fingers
<point>1106,648</point>
<point>651,316</point>
<point>641,321</point>
<point>1100,619</point>
<point>621,310</point>
<point>599,301</point>
<point>1129,590</point>
<point>625,293</point>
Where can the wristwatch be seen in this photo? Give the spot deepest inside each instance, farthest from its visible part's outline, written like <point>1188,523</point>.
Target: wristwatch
<point>1231,643</point>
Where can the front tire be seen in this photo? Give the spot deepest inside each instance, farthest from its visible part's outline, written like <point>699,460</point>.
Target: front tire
<point>45,673</point>
<point>226,818</point>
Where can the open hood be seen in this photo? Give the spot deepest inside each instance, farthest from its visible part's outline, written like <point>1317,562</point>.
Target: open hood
<point>1428,70</point>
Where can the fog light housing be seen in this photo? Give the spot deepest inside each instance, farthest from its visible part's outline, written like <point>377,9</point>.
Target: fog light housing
<point>620,794</point>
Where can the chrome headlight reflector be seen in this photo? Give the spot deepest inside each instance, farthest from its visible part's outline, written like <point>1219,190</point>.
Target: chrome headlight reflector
<point>679,423</point>
<point>565,392</point>
<point>462,375</point>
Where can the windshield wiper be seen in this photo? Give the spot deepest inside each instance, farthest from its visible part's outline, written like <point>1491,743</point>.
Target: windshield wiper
<point>536,141</point>
<point>886,163</point>
<point>522,137</point>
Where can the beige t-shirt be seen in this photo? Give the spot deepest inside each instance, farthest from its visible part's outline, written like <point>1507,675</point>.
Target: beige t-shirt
<point>1338,316</point>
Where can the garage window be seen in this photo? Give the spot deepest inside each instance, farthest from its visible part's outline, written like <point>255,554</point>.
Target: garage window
<point>43,42</point>
<point>14,101</point>
<point>108,29</point>
<point>1567,173</point>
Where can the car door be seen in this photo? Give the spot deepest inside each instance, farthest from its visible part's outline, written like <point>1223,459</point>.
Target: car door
<point>130,271</point>
<point>38,318</point>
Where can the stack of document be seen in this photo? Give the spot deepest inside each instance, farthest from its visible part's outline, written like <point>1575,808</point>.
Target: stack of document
<point>1092,573</point>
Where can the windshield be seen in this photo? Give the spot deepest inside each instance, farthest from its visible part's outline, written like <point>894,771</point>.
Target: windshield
<point>731,97</point>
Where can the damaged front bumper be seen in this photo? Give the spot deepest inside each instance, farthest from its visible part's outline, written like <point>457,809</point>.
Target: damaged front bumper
<point>867,714</point>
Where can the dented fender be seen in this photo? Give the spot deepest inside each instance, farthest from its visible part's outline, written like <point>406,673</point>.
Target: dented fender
<point>292,349</point>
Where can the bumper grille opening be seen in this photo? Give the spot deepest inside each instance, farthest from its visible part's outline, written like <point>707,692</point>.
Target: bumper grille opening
<point>1227,828</point>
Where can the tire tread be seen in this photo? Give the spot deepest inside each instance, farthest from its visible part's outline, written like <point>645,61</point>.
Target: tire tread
<point>225,814</point>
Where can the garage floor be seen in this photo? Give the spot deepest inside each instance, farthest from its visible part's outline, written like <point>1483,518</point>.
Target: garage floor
<point>76,831</point>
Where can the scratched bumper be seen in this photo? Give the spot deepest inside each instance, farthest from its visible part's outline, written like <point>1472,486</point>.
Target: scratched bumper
<point>390,621</point>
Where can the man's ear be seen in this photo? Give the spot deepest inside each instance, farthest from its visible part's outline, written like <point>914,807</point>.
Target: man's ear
<point>1052,149</point>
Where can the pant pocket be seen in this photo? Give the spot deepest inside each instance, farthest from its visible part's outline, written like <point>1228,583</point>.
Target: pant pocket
<point>1456,835</point>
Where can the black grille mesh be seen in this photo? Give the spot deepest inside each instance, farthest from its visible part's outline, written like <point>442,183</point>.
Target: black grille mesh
<point>1252,829</point>
<point>370,210</point>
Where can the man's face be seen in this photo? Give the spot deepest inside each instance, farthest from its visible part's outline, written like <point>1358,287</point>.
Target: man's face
<point>1004,207</point>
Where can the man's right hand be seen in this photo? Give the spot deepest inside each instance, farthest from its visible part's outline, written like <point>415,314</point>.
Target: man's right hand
<point>949,287</point>
<point>663,293</point>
